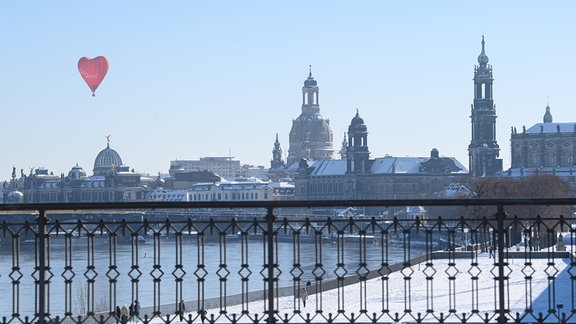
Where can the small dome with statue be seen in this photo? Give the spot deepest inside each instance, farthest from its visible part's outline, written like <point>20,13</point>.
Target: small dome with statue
<point>107,160</point>
<point>77,172</point>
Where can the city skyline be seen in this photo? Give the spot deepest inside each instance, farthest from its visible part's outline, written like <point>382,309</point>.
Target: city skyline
<point>182,72</point>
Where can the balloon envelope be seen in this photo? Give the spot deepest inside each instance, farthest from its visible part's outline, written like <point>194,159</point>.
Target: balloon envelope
<point>93,70</point>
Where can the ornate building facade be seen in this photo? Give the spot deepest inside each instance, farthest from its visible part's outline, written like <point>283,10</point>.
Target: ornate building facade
<point>544,145</point>
<point>547,147</point>
<point>483,150</point>
<point>311,135</point>
<point>359,177</point>
<point>112,181</point>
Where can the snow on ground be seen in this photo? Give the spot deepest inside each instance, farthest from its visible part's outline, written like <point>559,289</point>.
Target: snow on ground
<point>385,298</point>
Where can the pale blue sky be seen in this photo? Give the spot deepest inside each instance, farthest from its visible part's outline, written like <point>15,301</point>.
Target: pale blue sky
<point>211,78</point>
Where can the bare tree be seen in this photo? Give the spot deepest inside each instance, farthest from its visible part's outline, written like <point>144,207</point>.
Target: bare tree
<point>541,230</point>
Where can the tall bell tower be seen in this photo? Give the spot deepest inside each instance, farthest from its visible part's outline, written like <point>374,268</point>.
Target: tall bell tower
<point>357,154</point>
<point>483,150</point>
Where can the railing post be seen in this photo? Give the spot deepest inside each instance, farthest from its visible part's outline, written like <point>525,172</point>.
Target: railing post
<point>500,215</point>
<point>42,266</point>
<point>270,244</point>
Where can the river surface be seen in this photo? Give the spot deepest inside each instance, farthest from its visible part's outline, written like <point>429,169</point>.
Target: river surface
<point>218,279</point>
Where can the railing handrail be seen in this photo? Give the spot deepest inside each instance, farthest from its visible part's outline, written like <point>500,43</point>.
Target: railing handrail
<point>288,204</point>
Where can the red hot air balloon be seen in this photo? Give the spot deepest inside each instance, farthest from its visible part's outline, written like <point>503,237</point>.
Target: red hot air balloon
<point>93,71</point>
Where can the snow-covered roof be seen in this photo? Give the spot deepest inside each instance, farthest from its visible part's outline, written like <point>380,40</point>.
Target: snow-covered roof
<point>385,165</point>
<point>551,128</point>
<point>456,191</point>
<point>281,184</point>
<point>328,167</point>
<point>397,165</point>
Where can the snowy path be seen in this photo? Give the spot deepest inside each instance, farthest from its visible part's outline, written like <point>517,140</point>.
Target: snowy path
<point>418,295</point>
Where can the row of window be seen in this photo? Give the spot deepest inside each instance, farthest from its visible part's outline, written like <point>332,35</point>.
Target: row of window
<point>546,159</point>
<point>88,196</point>
<point>333,187</point>
<point>228,196</point>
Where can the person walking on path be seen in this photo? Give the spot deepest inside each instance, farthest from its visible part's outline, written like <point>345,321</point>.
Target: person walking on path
<point>304,295</point>
<point>136,310</point>
<point>181,310</point>
<point>124,314</point>
<point>117,314</point>
<point>131,312</point>
<point>203,315</point>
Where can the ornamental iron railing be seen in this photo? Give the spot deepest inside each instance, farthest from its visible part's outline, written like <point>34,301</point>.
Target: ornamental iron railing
<point>465,261</point>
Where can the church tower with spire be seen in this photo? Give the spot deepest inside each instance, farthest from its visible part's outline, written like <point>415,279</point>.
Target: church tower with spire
<point>311,135</point>
<point>277,161</point>
<point>483,150</point>
<point>343,148</point>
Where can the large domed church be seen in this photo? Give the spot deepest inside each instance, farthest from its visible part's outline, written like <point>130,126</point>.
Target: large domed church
<point>311,135</point>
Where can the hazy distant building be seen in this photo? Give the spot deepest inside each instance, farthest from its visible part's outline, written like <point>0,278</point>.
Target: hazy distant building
<point>225,167</point>
<point>183,179</point>
<point>483,150</point>
<point>254,171</point>
<point>244,190</point>
<point>249,190</point>
<point>311,135</point>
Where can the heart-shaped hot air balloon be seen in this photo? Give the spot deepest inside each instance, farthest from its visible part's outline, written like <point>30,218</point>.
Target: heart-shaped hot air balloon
<point>93,71</point>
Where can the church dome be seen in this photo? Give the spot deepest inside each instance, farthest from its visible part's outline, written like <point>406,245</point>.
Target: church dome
<point>311,127</point>
<point>310,82</point>
<point>15,197</point>
<point>357,124</point>
<point>482,59</point>
<point>106,160</point>
<point>357,120</point>
<point>310,137</point>
<point>76,172</point>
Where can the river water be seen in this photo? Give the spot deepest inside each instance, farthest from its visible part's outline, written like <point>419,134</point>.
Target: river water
<point>147,256</point>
